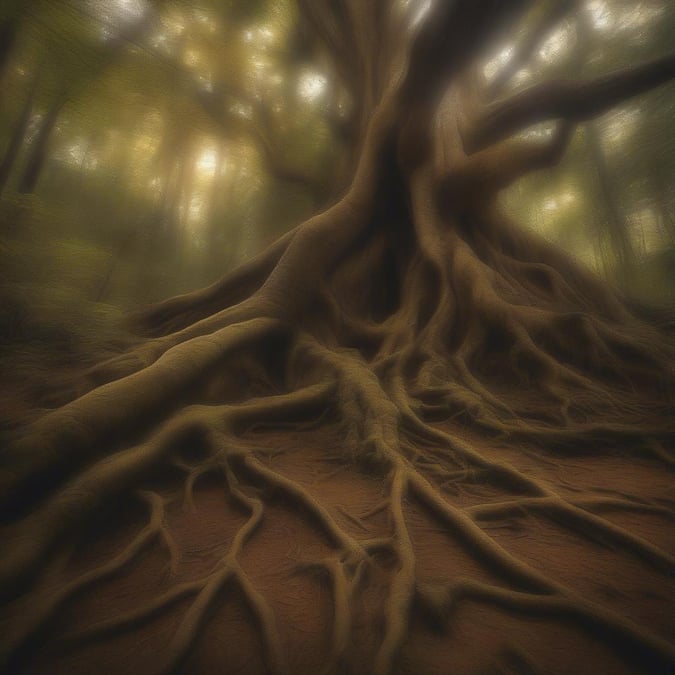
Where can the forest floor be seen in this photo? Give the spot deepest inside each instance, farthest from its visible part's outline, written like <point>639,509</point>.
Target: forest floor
<point>477,638</point>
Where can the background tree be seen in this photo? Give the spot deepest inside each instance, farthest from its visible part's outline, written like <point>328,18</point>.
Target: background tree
<point>337,422</point>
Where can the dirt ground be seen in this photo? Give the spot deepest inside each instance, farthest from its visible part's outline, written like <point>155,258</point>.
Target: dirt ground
<point>469,637</point>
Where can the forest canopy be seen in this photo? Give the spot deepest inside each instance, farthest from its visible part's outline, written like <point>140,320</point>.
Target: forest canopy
<point>338,336</point>
<point>193,133</point>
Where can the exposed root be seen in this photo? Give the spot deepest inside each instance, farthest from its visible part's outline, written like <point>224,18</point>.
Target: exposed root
<point>384,442</point>
<point>376,325</point>
<point>345,579</point>
<point>80,431</point>
<point>402,589</point>
<point>548,503</point>
<point>521,507</point>
<point>181,311</point>
<point>44,604</point>
<point>617,632</point>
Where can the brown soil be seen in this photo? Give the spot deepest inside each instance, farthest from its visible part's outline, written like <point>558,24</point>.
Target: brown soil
<point>161,523</point>
<point>280,563</point>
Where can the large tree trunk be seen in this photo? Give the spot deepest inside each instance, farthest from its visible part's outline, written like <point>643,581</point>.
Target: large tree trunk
<point>454,370</point>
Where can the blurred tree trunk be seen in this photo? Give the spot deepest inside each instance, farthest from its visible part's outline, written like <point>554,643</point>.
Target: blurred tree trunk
<point>39,149</point>
<point>18,135</point>
<point>616,223</point>
<point>109,56</point>
<point>186,181</point>
<point>8,33</point>
<point>168,202</point>
<point>660,185</point>
<point>213,232</point>
<point>223,239</point>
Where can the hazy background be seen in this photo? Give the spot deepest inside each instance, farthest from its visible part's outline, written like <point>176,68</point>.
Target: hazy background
<point>147,147</point>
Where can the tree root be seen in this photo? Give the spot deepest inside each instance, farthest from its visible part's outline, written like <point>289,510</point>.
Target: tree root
<point>43,605</point>
<point>464,341</point>
<point>385,439</point>
<point>618,632</point>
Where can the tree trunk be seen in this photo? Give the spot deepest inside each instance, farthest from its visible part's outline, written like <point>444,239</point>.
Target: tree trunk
<point>454,370</point>
<point>661,191</point>
<point>617,226</point>
<point>18,135</point>
<point>615,222</point>
<point>8,34</point>
<point>39,149</point>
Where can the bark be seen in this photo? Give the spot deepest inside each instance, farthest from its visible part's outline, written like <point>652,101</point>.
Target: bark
<point>569,99</point>
<point>451,368</point>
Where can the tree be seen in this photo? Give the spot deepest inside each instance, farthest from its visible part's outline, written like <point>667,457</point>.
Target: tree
<point>407,304</point>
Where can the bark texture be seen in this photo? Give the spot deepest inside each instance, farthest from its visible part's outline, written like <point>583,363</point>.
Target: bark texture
<point>366,414</point>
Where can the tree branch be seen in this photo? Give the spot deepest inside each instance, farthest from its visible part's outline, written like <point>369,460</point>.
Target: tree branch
<point>445,41</point>
<point>546,21</point>
<point>570,99</point>
<point>486,172</point>
<point>448,38</point>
